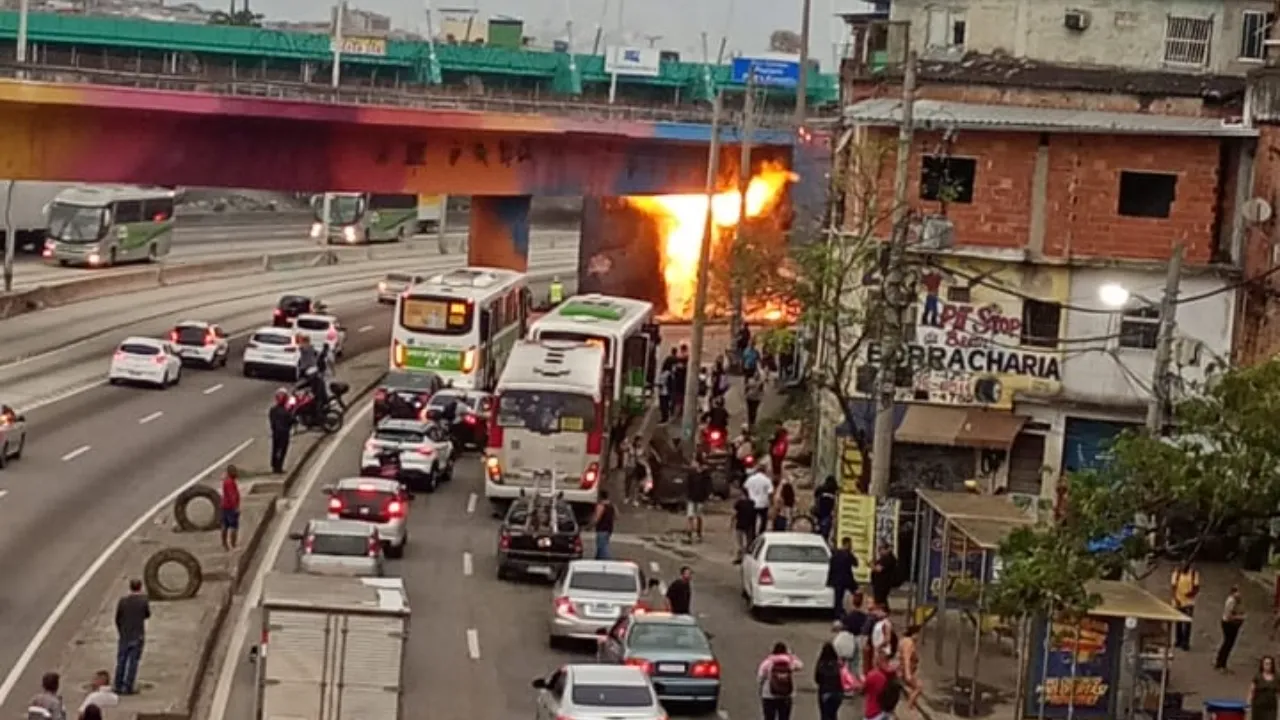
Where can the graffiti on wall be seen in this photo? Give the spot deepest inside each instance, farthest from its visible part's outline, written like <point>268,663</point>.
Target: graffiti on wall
<point>975,338</point>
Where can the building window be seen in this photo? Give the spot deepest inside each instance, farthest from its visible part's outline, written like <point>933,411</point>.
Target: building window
<point>947,179</point>
<point>1041,323</point>
<point>1186,41</point>
<point>1140,328</point>
<point>1145,194</point>
<point>958,294</point>
<point>946,29</point>
<point>1255,25</point>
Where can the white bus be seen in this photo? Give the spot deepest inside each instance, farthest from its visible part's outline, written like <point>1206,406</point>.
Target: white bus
<point>366,217</point>
<point>624,327</point>
<point>100,225</point>
<point>552,409</point>
<point>461,325</point>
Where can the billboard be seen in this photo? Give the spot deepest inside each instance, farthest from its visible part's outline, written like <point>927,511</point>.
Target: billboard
<point>640,62</point>
<point>769,72</point>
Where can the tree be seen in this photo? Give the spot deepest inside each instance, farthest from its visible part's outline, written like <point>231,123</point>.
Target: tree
<point>1214,478</point>
<point>240,18</point>
<point>784,41</point>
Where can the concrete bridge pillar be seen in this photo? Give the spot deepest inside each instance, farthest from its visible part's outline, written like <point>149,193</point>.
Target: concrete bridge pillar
<point>499,232</point>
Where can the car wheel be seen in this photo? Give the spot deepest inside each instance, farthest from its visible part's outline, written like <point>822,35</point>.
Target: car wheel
<point>395,552</point>
<point>433,479</point>
<point>113,381</point>
<point>223,361</point>
<point>704,709</point>
<point>503,572</point>
<point>164,383</point>
<point>447,476</point>
<point>22,443</point>
<point>554,642</point>
<point>4,455</point>
<point>248,371</point>
<point>177,376</point>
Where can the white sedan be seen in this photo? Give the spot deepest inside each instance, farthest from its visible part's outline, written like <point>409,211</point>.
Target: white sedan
<point>787,570</point>
<point>145,360</point>
<point>272,349</point>
<point>322,330</point>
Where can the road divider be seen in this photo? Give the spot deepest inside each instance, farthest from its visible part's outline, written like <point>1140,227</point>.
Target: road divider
<point>183,633</point>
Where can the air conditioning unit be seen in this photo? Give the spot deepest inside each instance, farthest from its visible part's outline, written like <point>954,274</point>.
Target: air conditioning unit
<point>1077,20</point>
<point>935,232</point>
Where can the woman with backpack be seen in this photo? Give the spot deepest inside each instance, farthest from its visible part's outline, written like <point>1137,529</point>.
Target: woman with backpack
<point>777,680</point>
<point>828,677</point>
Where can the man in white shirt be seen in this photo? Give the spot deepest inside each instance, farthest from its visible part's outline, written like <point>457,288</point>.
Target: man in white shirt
<point>101,694</point>
<point>759,488</point>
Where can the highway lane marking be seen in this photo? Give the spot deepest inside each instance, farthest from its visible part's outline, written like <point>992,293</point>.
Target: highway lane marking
<point>365,329</point>
<point>3,493</point>
<point>471,504</point>
<point>46,628</point>
<point>76,453</point>
<point>473,644</point>
<point>235,650</point>
<point>467,568</point>
<point>153,416</point>
<point>722,714</point>
<point>212,389</point>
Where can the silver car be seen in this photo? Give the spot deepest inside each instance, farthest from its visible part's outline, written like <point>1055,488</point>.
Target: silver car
<point>394,284</point>
<point>377,502</point>
<point>590,596</point>
<point>418,453</point>
<point>13,434</point>
<point>597,692</point>
<point>339,547</point>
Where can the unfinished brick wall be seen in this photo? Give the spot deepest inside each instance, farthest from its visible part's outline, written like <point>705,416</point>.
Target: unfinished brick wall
<point>1258,335</point>
<point>1081,212</point>
<point>1036,97</point>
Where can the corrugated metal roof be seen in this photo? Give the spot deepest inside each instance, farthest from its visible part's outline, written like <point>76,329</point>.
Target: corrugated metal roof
<point>944,114</point>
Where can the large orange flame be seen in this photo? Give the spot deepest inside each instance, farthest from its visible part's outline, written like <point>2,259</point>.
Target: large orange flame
<point>681,220</point>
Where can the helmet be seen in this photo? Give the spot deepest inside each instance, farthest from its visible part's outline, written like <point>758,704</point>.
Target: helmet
<point>281,394</point>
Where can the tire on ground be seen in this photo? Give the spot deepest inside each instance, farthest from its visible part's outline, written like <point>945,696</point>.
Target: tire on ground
<point>193,493</point>
<point>157,590</point>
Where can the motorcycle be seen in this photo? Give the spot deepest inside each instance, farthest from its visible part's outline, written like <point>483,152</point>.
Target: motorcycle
<point>715,452</point>
<point>307,417</point>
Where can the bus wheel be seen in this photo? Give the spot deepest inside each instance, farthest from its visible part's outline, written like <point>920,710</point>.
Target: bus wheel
<point>111,257</point>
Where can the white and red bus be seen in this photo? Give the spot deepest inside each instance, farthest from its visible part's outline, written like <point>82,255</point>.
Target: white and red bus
<point>550,413</point>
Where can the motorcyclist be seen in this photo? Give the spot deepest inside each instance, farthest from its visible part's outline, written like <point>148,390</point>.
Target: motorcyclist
<point>717,417</point>
<point>313,381</point>
<point>743,450</point>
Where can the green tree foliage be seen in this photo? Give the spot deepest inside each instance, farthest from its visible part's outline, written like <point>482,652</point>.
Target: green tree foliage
<point>240,18</point>
<point>1216,474</point>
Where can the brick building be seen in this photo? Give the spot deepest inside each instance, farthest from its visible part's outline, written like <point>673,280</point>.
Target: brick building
<point>1032,187</point>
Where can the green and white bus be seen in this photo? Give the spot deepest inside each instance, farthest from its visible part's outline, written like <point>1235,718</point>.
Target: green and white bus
<point>101,225</point>
<point>624,327</point>
<point>356,218</point>
<point>461,325</point>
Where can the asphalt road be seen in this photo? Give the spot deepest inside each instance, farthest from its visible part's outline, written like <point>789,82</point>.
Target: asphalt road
<point>450,575</point>
<point>97,459</point>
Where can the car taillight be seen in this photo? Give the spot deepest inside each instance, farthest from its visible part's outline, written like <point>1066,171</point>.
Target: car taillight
<point>395,509</point>
<point>160,359</point>
<point>120,355</point>
<point>493,469</point>
<point>564,606</point>
<point>426,451</point>
<point>279,312</point>
<point>577,544</point>
<point>470,420</point>
<point>371,445</point>
<point>590,477</point>
<point>335,505</point>
<point>716,437</point>
<point>380,395</point>
<point>211,339</point>
<point>644,665</point>
<point>504,541</point>
<point>766,577</point>
<point>309,544</point>
<point>173,336</point>
<point>469,360</point>
<point>398,353</point>
<point>375,546</point>
<point>705,669</point>
<point>331,336</point>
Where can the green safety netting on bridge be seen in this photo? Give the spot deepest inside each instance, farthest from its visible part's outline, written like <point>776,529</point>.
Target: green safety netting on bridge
<point>696,81</point>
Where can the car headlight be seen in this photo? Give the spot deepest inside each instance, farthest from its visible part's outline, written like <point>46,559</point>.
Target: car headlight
<point>317,229</point>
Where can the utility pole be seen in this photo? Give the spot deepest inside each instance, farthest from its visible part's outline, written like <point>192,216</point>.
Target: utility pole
<point>1164,343</point>
<point>10,238</point>
<point>747,129</point>
<point>339,20</point>
<point>802,82</point>
<point>24,16</point>
<point>890,310</point>
<point>689,419</point>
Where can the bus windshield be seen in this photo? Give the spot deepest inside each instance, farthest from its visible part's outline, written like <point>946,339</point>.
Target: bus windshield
<point>436,316</point>
<point>76,223</point>
<point>343,209</point>
<point>547,412</point>
<point>587,338</point>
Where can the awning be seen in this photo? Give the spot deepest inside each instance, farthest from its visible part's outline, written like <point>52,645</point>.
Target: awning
<point>955,426</point>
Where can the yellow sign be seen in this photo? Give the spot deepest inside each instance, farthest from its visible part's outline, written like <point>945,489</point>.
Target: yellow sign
<point>851,466</point>
<point>360,46</point>
<point>856,520</point>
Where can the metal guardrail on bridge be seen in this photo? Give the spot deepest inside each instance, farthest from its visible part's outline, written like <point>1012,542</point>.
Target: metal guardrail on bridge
<point>426,99</point>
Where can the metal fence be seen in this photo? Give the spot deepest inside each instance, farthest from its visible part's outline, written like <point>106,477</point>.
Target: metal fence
<point>427,98</point>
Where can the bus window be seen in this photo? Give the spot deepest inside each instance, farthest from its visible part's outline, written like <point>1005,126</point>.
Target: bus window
<point>158,210</point>
<point>523,299</point>
<point>547,412</point>
<point>128,211</point>
<point>486,325</point>
<point>438,316</point>
<point>393,202</point>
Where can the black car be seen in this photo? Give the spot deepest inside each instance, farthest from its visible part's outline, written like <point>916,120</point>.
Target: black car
<point>290,307</point>
<point>404,395</point>
<point>539,536</point>
<point>470,409</point>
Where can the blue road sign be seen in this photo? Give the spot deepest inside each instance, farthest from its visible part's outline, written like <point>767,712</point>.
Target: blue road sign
<point>767,71</point>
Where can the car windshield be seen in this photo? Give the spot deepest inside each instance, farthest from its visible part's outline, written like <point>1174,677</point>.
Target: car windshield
<point>272,339</point>
<point>397,435</point>
<point>76,223</point>
<point>294,302</point>
<point>444,397</point>
<point>348,545</point>
<point>139,349</point>
<point>312,324</point>
<point>668,637</point>
<point>811,554</point>
<point>191,335</point>
<point>409,381</point>
<point>399,278</point>
<point>612,696</point>
<point>604,582</point>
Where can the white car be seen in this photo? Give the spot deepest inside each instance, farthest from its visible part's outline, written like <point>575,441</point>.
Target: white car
<point>787,570</point>
<point>13,434</point>
<point>272,349</point>
<point>394,284</point>
<point>418,453</point>
<point>322,330</point>
<point>202,343</point>
<point>145,360</point>
<point>377,501</point>
<point>590,596</point>
<point>597,692</point>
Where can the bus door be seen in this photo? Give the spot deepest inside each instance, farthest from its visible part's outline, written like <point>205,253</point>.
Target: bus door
<point>653,335</point>
<point>485,361</point>
<point>636,361</point>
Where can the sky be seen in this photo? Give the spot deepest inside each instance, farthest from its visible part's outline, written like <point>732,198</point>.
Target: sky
<point>679,23</point>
